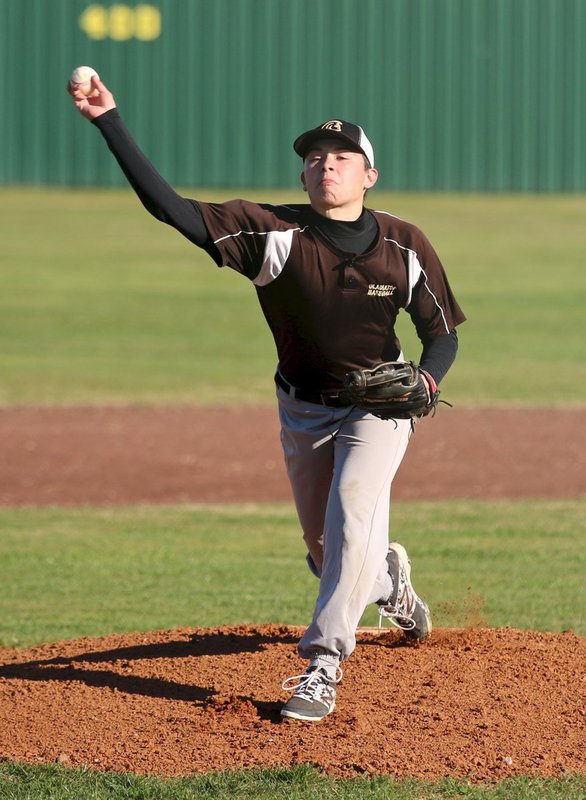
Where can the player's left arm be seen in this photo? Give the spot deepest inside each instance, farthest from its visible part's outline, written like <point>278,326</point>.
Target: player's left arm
<point>438,355</point>
<point>434,312</point>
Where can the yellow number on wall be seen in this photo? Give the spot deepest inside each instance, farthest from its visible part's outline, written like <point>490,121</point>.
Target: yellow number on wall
<point>147,22</point>
<point>94,22</point>
<point>121,22</point>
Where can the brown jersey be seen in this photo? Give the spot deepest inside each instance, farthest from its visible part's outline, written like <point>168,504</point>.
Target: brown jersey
<point>331,311</point>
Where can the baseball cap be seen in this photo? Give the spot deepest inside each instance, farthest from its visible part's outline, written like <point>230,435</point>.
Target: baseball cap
<point>347,132</point>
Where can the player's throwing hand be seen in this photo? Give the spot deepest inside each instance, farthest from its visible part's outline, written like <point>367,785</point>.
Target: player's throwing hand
<point>95,105</point>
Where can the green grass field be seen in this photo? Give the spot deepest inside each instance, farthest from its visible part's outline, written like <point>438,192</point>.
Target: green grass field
<point>87,572</point>
<point>102,304</point>
<point>51,782</point>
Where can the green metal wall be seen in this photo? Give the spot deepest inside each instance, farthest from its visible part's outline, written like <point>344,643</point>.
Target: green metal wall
<point>475,95</point>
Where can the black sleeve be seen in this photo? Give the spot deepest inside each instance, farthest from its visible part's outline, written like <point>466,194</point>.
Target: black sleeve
<point>160,199</point>
<point>439,354</point>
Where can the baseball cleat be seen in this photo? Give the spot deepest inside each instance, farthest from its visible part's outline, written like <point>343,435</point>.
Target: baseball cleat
<point>314,694</point>
<point>404,608</point>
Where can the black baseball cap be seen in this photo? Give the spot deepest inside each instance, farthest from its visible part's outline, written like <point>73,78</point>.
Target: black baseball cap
<point>347,132</point>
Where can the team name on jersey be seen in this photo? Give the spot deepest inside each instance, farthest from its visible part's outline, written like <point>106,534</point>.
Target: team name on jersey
<point>381,289</point>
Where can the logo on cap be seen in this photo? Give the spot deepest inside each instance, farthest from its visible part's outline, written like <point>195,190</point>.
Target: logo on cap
<point>332,125</point>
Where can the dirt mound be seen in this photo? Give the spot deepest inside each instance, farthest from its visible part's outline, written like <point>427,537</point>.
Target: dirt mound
<point>475,703</point>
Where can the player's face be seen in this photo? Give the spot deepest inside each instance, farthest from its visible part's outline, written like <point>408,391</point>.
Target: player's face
<point>336,179</point>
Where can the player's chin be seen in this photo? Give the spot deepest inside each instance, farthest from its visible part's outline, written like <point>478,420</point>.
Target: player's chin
<point>324,197</point>
<point>326,190</point>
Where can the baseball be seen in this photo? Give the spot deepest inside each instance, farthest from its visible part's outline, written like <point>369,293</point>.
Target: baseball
<point>81,79</point>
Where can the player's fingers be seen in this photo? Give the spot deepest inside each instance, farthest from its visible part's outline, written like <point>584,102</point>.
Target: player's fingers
<point>106,98</point>
<point>100,85</point>
<point>84,108</point>
<point>72,90</point>
<point>82,103</point>
<point>76,93</point>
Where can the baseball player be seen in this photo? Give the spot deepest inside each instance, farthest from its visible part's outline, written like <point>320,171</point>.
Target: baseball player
<point>331,277</point>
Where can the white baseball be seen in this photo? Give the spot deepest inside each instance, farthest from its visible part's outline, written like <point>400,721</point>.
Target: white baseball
<point>81,79</point>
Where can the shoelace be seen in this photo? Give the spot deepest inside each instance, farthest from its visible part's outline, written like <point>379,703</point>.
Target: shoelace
<point>395,618</point>
<point>399,616</point>
<point>301,684</point>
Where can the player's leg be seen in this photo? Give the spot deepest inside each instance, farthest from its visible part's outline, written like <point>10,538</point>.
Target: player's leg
<point>368,452</point>
<point>308,448</point>
<point>308,436</point>
<point>341,464</point>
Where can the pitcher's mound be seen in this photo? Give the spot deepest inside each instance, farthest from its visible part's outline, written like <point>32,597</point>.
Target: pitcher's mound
<point>477,703</point>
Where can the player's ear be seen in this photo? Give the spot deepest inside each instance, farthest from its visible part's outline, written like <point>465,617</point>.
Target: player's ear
<point>370,178</point>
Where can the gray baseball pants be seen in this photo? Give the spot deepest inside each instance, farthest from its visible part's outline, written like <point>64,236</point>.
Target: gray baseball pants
<point>341,463</point>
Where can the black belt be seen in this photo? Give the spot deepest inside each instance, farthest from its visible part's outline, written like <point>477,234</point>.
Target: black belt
<point>320,398</point>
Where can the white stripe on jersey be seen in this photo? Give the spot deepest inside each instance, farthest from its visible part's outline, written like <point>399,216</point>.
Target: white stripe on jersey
<point>239,233</point>
<point>415,271</point>
<point>254,233</point>
<point>276,253</point>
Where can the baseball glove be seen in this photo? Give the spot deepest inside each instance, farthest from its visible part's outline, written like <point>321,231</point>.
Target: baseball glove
<point>392,390</point>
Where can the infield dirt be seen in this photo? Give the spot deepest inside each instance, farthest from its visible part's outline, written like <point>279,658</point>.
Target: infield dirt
<point>479,703</point>
<point>118,456</point>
